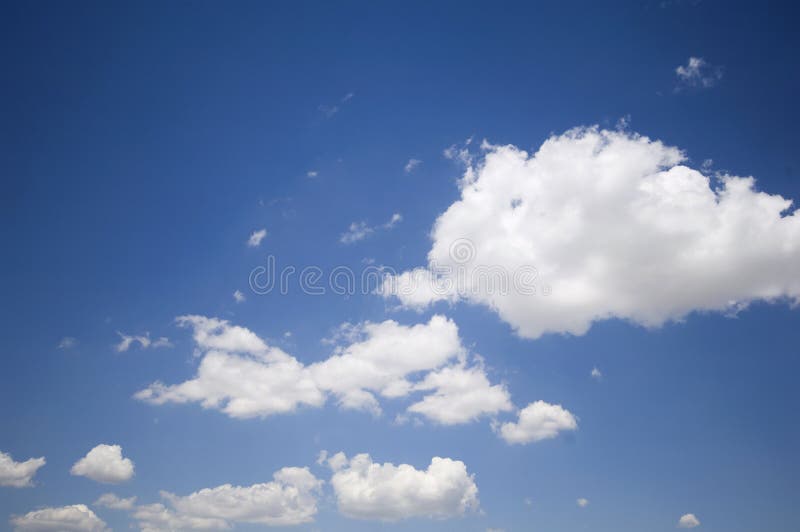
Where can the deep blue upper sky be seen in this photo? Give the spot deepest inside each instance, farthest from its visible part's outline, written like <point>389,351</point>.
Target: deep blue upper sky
<point>144,142</point>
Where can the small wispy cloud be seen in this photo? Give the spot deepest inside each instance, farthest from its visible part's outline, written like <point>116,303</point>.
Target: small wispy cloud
<point>312,174</point>
<point>583,503</point>
<point>360,230</point>
<point>697,72</point>
<point>238,296</point>
<point>596,374</point>
<point>144,341</point>
<point>411,165</point>
<point>68,342</point>
<point>256,237</point>
<point>329,111</point>
<point>688,521</point>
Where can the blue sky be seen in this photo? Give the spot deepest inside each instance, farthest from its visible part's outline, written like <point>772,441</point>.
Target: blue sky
<point>145,143</point>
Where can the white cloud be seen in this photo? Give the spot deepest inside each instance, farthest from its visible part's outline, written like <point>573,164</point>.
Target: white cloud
<point>144,341</point>
<point>243,377</point>
<point>583,503</point>
<point>605,224</point>
<point>596,374</point>
<point>18,474</point>
<point>75,518</point>
<point>538,421</point>
<point>411,165</point>
<point>698,73</point>
<point>256,237</point>
<point>159,518</point>
<point>238,296</point>
<point>312,174</point>
<point>68,342</point>
<point>368,490</point>
<point>104,464</point>
<point>360,230</point>
<point>289,499</point>
<point>111,501</point>
<point>461,395</point>
<point>688,521</point>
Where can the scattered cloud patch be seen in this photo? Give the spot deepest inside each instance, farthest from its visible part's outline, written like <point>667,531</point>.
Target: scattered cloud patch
<point>698,73</point>
<point>360,230</point>
<point>329,111</point>
<point>112,502</point>
<point>105,464</point>
<point>583,503</point>
<point>596,374</point>
<point>688,521</point>
<point>411,165</point>
<point>387,492</point>
<point>538,421</point>
<point>605,224</point>
<point>312,174</point>
<point>68,342</point>
<point>144,341</point>
<point>256,237</point>
<point>74,518</point>
<point>238,296</point>
<point>18,474</point>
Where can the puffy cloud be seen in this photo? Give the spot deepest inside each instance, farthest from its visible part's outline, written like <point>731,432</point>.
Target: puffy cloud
<point>111,501</point>
<point>242,376</point>
<point>596,374</point>
<point>18,474</point>
<point>386,492</point>
<point>538,421</point>
<point>583,503</point>
<point>698,73</point>
<point>461,395</point>
<point>238,296</point>
<point>104,464</point>
<point>688,521</point>
<point>289,499</point>
<point>604,224</point>
<point>75,518</point>
<point>144,341</point>
<point>256,237</point>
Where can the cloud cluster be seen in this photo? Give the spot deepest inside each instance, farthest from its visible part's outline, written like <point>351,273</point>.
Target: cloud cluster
<point>610,224</point>
<point>243,377</point>
<point>74,518</point>
<point>105,464</point>
<point>18,474</point>
<point>289,499</point>
<point>387,492</point>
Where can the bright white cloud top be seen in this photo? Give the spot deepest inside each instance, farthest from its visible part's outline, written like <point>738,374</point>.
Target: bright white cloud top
<point>105,464</point>
<point>538,421</point>
<point>18,474</point>
<point>243,377</point>
<point>387,492</point>
<point>609,224</point>
<point>688,521</point>
<point>74,518</point>
<point>289,499</point>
